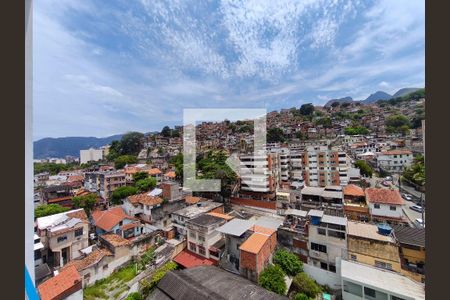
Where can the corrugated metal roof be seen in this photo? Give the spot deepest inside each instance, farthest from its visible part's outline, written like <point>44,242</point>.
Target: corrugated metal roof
<point>296,212</point>
<point>315,213</point>
<point>334,220</point>
<point>236,227</point>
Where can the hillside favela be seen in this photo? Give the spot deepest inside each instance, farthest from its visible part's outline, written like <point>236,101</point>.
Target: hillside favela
<point>228,150</point>
<point>333,209</point>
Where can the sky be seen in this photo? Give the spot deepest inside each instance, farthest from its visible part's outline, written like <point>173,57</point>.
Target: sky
<point>107,67</point>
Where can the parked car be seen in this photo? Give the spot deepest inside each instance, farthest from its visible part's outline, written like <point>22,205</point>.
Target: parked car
<point>417,208</point>
<point>407,197</point>
<point>388,178</point>
<point>419,223</point>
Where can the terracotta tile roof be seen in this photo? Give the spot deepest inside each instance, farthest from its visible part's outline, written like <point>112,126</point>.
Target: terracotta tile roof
<point>56,287</point>
<point>170,174</point>
<point>144,199</point>
<point>79,214</point>
<point>131,170</point>
<point>91,259</point>
<point>188,259</point>
<point>219,215</point>
<point>192,199</point>
<point>115,240</point>
<point>107,219</point>
<point>384,196</point>
<point>396,152</point>
<point>75,178</point>
<point>60,199</point>
<point>263,230</point>
<point>154,171</point>
<point>254,243</point>
<point>353,190</point>
<point>129,226</point>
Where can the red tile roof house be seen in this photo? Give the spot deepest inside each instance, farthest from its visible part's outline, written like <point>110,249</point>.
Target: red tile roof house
<point>385,205</point>
<point>66,285</point>
<point>115,220</point>
<point>141,206</point>
<point>257,252</point>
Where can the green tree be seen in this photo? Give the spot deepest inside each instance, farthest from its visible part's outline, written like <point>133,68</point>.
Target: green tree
<point>306,285</point>
<point>177,161</point>
<point>166,132</point>
<point>356,130</point>
<point>364,167</point>
<point>416,172</point>
<point>301,296</point>
<point>134,296</point>
<point>146,184</point>
<point>123,160</point>
<point>139,175</point>
<point>131,143</point>
<point>148,286</point>
<point>335,104</point>
<point>289,262</point>
<point>275,135</point>
<point>397,124</point>
<point>49,209</point>
<point>87,202</point>
<point>122,192</point>
<point>272,279</point>
<point>307,109</point>
<point>114,151</point>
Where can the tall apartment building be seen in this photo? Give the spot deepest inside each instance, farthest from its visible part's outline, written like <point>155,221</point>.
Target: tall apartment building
<point>322,167</point>
<point>104,182</point>
<point>260,173</point>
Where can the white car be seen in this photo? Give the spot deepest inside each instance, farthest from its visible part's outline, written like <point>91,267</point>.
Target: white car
<point>417,208</point>
<point>388,178</point>
<point>407,197</point>
<point>419,223</point>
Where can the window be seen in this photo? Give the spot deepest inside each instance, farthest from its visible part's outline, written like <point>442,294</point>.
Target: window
<point>396,298</point>
<point>201,238</point>
<point>201,250</point>
<point>394,208</point>
<point>318,247</point>
<point>353,257</point>
<point>369,292</point>
<point>105,267</point>
<point>383,265</point>
<point>87,276</point>
<point>192,235</point>
<point>376,205</point>
<point>62,239</point>
<point>332,268</point>
<point>336,234</point>
<point>79,232</point>
<point>192,247</point>
<point>321,231</point>
<point>353,288</point>
<point>323,266</point>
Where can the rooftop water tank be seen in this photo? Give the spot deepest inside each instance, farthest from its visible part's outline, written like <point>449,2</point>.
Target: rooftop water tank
<point>384,229</point>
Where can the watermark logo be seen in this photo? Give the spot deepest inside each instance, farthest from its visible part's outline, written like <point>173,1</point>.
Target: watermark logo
<point>192,116</point>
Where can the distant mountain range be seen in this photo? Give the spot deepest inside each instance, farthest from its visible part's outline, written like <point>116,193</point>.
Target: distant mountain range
<point>60,147</point>
<point>379,95</point>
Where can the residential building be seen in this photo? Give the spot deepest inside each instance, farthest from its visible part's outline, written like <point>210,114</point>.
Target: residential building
<point>412,251</point>
<point>385,205</point>
<point>171,191</point>
<point>202,237</point>
<point>65,285</point>
<point>355,205</point>
<point>141,206</point>
<point>257,251</point>
<point>327,198</point>
<point>104,182</point>
<point>91,154</point>
<point>180,217</point>
<point>360,281</point>
<point>296,170</point>
<point>395,161</point>
<point>323,166</point>
<point>115,220</point>
<point>372,245</point>
<point>206,282</point>
<point>326,240</point>
<point>293,233</point>
<point>63,236</point>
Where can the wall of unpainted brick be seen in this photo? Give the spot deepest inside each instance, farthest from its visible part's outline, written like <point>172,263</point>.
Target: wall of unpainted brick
<point>254,203</point>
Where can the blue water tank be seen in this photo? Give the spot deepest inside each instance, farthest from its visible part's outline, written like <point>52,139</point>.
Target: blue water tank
<point>315,220</point>
<point>384,229</point>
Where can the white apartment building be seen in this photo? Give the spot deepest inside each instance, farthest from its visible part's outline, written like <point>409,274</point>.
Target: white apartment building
<point>260,173</point>
<point>202,235</point>
<point>323,166</point>
<point>91,154</point>
<point>395,161</point>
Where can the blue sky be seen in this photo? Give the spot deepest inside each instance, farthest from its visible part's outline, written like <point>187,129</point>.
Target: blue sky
<point>107,67</point>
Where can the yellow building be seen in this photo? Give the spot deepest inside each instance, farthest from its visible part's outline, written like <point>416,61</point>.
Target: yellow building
<point>412,251</point>
<point>365,244</point>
